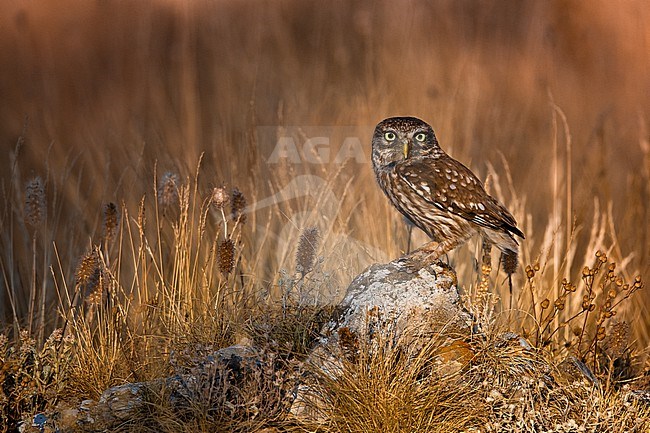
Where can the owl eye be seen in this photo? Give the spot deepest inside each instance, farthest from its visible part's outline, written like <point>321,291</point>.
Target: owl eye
<point>390,136</point>
<point>420,137</point>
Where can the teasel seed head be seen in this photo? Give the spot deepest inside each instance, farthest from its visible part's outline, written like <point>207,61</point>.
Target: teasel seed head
<point>226,256</point>
<point>220,197</point>
<point>307,247</point>
<point>238,205</point>
<point>96,290</point>
<point>168,191</point>
<point>111,221</point>
<point>618,341</point>
<point>509,262</point>
<point>35,208</point>
<point>88,268</point>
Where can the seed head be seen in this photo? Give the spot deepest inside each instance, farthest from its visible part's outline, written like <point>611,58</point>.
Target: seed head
<point>91,276</point>
<point>111,221</point>
<point>4,341</point>
<point>142,217</point>
<point>602,257</point>
<point>55,338</point>
<point>509,263</point>
<point>638,283</point>
<point>618,340</point>
<point>27,343</point>
<point>220,197</point>
<point>88,269</point>
<point>96,296</point>
<point>530,272</point>
<point>307,247</point>
<point>35,209</point>
<point>238,205</point>
<point>226,255</point>
<point>168,191</point>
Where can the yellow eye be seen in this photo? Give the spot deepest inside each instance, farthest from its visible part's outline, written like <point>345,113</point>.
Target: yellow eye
<point>420,137</point>
<point>390,136</point>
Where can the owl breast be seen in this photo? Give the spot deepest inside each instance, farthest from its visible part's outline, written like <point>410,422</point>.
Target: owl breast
<point>438,224</point>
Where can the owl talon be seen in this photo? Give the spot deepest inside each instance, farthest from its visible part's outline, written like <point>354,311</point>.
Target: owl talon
<point>412,266</point>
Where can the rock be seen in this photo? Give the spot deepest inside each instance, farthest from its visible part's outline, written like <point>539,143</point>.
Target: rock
<point>452,357</point>
<point>572,369</point>
<point>305,404</point>
<point>639,395</point>
<point>121,402</point>
<point>413,307</point>
<point>387,302</point>
<point>227,368</point>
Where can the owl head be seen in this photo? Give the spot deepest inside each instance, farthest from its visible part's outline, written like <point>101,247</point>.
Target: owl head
<point>399,138</point>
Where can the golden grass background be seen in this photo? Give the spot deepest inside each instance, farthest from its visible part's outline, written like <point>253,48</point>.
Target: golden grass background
<point>97,97</point>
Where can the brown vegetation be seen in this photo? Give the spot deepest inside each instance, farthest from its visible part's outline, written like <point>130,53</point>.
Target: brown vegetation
<point>145,209</point>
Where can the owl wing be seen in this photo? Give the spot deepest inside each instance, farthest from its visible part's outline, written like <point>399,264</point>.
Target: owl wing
<point>452,187</point>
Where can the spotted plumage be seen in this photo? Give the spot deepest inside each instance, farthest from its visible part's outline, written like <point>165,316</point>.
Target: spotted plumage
<point>437,193</point>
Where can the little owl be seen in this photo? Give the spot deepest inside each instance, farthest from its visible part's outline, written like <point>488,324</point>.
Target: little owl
<point>437,193</point>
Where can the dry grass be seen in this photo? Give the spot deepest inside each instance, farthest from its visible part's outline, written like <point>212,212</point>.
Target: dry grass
<point>384,385</point>
<point>488,382</point>
<point>127,128</point>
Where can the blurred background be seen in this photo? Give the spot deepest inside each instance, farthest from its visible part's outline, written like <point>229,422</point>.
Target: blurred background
<point>100,98</point>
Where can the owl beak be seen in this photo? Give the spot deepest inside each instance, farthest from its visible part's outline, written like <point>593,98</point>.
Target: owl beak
<point>407,148</point>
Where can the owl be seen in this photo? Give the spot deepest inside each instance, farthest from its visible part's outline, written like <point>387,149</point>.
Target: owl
<point>438,194</point>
